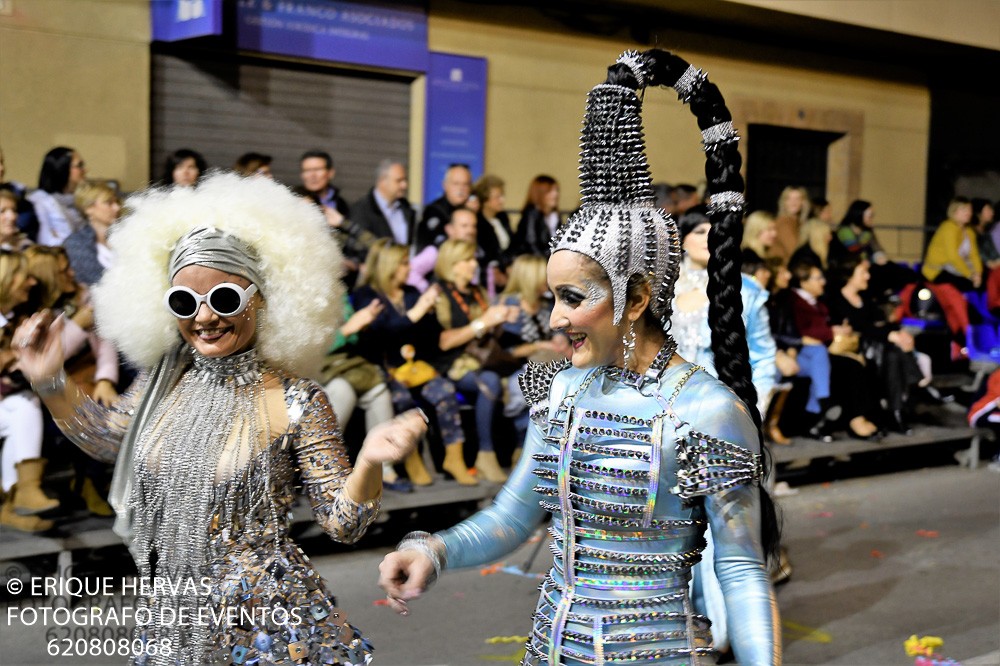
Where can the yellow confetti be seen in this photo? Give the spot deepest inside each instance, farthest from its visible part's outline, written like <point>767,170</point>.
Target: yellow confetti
<point>507,639</point>
<point>801,632</point>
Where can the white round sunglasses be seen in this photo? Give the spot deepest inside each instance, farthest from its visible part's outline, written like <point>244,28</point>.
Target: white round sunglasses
<point>225,299</point>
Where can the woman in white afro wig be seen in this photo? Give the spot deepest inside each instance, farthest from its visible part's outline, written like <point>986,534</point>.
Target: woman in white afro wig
<point>226,294</point>
<point>300,263</point>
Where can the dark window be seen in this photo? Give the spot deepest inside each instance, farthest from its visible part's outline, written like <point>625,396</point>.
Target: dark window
<point>781,156</point>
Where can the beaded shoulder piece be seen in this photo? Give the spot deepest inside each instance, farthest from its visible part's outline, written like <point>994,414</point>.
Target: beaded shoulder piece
<point>705,464</point>
<point>535,383</point>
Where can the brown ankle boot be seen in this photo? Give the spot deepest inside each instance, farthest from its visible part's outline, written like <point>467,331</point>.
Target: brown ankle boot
<point>416,470</point>
<point>10,518</point>
<point>454,464</point>
<point>96,504</point>
<point>489,468</point>
<point>771,429</point>
<point>29,498</point>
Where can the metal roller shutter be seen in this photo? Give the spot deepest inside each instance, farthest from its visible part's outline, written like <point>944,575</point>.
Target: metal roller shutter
<point>224,109</point>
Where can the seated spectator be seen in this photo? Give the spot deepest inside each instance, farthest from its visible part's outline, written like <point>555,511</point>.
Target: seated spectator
<point>793,211</point>
<point>814,244</point>
<point>253,164</point>
<point>493,232</point>
<point>87,247</point>
<point>822,210</point>
<point>468,325</point>
<point>856,236</point>
<point>952,256</point>
<point>407,323</point>
<point>12,238</point>
<point>91,361</point>
<point>457,186</point>
<point>684,197</point>
<point>461,226</point>
<point>539,218</point>
<point>27,223</point>
<point>62,170</point>
<point>351,381</point>
<point>759,234</point>
<point>759,270</point>
<point>529,335</point>
<point>889,353</point>
<point>787,342</point>
<point>183,168</point>
<point>385,211</point>
<point>847,386</point>
<point>982,222</point>
<point>20,412</point>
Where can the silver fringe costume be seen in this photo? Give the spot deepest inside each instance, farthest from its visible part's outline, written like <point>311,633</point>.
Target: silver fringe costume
<point>210,500</point>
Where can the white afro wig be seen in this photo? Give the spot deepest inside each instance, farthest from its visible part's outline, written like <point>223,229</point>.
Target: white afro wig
<point>301,264</point>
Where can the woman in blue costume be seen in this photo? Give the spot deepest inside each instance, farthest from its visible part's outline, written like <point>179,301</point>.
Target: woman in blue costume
<point>634,451</point>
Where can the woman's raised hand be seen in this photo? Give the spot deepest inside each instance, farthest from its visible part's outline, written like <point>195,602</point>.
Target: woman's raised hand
<point>393,440</point>
<point>38,344</point>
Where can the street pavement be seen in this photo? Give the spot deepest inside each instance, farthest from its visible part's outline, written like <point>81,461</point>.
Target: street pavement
<point>876,560</point>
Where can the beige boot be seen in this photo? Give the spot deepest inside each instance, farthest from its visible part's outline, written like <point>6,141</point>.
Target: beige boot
<point>9,518</point>
<point>416,470</point>
<point>488,467</point>
<point>95,503</point>
<point>29,498</point>
<point>454,464</point>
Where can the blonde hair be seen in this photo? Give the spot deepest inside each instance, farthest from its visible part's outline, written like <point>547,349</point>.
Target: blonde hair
<point>527,275</point>
<point>43,265</point>
<point>383,260</point>
<point>301,263</point>
<point>817,235</point>
<point>11,263</point>
<point>754,225</point>
<point>783,202</point>
<point>90,192</point>
<point>450,253</point>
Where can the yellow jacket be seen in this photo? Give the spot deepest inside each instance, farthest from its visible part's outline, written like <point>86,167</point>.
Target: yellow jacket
<point>943,251</point>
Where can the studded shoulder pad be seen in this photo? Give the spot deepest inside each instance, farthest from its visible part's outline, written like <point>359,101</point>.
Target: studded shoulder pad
<point>535,382</point>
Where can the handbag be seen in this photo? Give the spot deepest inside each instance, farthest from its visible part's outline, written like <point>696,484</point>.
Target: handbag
<point>413,373</point>
<point>492,356</point>
<point>356,371</point>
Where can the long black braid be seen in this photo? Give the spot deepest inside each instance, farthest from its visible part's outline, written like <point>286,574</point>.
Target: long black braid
<point>722,169</point>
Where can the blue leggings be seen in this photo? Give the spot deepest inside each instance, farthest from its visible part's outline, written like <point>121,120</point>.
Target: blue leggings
<point>485,386</point>
<point>814,363</point>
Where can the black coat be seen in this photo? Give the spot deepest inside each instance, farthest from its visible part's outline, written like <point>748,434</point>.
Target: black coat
<point>366,213</point>
<point>436,214</point>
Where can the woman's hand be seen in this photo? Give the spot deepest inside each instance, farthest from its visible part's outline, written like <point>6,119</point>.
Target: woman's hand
<point>404,575</point>
<point>38,344</point>
<point>424,303</point>
<point>393,440</point>
<point>105,393</point>
<point>362,319</point>
<point>496,315</point>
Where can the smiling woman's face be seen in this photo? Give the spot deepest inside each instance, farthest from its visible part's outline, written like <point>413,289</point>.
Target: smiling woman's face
<point>583,309</point>
<point>208,333</point>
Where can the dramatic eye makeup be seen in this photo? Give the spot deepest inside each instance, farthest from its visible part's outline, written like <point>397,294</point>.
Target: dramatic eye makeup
<point>570,295</point>
<point>592,293</point>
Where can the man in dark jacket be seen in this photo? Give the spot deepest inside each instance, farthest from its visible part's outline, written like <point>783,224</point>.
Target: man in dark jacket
<point>384,211</point>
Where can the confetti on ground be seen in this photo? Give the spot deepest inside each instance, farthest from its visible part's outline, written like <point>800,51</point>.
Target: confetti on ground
<point>518,572</point>
<point>492,569</point>
<point>507,639</point>
<point>380,602</point>
<point>877,554</point>
<point>800,632</point>
<point>928,534</point>
<point>863,526</point>
<point>923,646</point>
<point>821,514</point>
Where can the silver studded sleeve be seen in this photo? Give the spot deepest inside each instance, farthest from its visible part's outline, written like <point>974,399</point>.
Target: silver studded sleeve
<point>322,459</point>
<point>96,429</point>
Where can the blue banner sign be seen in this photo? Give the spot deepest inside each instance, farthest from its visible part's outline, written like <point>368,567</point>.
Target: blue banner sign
<point>456,118</point>
<point>363,34</point>
<point>174,20</point>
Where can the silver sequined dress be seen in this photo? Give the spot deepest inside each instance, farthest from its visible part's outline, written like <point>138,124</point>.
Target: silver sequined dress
<point>252,565</point>
<point>633,471</point>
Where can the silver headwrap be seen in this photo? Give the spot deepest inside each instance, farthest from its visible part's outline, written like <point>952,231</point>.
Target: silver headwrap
<point>216,249</point>
<point>618,224</point>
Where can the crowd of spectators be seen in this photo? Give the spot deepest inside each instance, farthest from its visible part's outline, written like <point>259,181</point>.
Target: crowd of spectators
<point>447,305</point>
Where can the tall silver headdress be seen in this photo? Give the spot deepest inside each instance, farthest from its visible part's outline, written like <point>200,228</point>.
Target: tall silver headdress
<point>618,224</point>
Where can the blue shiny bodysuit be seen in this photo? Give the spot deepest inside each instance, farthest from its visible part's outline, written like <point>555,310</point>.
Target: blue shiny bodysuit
<point>634,469</point>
